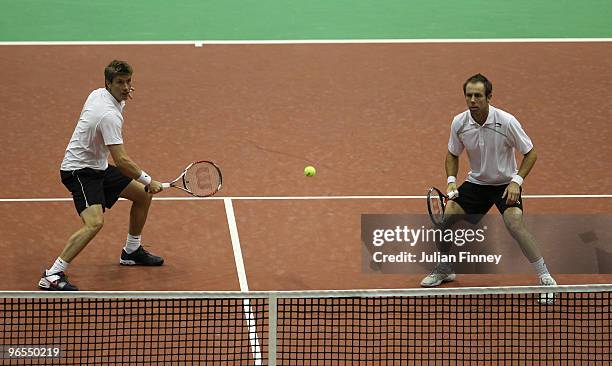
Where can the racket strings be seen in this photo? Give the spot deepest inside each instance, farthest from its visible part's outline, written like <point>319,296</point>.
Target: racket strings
<point>436,207</point>
<point>202,179</point>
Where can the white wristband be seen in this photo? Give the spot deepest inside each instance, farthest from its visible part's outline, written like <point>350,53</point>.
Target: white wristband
<point>144,178</point>
<point>517,179</point>
<point>451,179</point>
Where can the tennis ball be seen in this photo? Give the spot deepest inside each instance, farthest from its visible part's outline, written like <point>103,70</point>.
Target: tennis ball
<point>310,171</point>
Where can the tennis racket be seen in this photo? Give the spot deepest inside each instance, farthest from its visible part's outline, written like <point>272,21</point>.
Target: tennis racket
<point>201,179</point>
<point>436,203</point>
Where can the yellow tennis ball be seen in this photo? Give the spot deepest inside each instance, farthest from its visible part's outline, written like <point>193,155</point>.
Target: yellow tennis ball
<point>310,171</point>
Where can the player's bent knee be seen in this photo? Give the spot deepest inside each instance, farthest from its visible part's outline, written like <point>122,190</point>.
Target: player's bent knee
<point>513,219</point>
<point>453,208</point>
<point>513,214</point>
<point>93,218</point>
<point>135,192</point>
<point>145,198</point>
<point>141,199</point>
<point>95,223</point>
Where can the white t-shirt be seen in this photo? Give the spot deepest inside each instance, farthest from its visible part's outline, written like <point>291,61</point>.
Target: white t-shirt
<point>490,147</point>
<point>98,126</point>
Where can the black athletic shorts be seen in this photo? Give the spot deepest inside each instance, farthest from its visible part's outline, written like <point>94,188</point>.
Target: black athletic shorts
<point>476,199</point>
<point>90,187</point>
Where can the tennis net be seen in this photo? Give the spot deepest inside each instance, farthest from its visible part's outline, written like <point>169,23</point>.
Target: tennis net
<point>485,326</point>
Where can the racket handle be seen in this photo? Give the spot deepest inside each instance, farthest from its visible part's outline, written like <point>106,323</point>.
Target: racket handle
<point>453,194</point>
<point>164,186</point>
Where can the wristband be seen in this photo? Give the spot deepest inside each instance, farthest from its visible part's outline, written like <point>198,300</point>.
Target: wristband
<point>451,179</point>
<point>144,178</point>
<point>517,179</point>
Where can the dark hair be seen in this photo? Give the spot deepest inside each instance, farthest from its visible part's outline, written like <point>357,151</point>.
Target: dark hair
<point>116,68</point>
<point>479,78</point>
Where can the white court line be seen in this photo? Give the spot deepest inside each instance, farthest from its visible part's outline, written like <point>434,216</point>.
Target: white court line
<point>200,43</point>
<point>288,198</point>
<point>244,286</point>
<point>233,228</point>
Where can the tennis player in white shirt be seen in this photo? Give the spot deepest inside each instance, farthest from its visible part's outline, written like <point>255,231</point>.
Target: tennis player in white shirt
<point>490,136</point>
<point>95,184</point>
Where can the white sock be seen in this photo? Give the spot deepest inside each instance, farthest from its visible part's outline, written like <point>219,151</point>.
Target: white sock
<point>60,265</point>
<point>540,268</point>
<point>132,243</point>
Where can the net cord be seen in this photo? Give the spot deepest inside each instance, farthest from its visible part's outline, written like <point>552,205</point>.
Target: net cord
<point>308,293</point>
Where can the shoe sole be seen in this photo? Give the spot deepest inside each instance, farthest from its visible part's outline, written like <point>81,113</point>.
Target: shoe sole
<point>128,262</point>
<point>448,278</point>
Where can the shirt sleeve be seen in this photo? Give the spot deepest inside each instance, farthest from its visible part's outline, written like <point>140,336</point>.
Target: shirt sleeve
<point>110,127</point>
<point>518,137</point>
<point>455,146</point>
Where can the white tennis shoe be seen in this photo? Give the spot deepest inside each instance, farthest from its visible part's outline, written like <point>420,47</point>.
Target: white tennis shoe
<point>442,273</point>
<point>55,282</point>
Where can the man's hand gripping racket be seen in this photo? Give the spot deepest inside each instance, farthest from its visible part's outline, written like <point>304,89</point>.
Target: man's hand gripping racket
<point>436,204</point>
<point>201,179</point>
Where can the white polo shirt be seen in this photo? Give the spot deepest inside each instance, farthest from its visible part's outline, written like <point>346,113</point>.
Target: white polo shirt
<point>490,147</point>
<point>98,126</point>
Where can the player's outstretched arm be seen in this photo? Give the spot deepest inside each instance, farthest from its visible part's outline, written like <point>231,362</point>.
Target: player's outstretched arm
<point>130,169</point>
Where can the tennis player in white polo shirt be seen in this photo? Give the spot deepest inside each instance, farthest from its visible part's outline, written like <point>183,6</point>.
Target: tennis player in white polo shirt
<point>95,184</point>
<point>490,137</point>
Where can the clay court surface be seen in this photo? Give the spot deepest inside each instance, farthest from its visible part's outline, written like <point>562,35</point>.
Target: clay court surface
<point>373,118</point>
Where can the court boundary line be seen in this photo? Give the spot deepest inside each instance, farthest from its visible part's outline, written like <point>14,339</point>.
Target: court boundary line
<point>201,43</point>
<point>283,198</point>
<point>235,239</point>
<point>242,279</point>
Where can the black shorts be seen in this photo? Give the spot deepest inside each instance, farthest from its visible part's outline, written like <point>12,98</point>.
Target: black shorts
<point>476,199</point>
<point>90,187</point>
